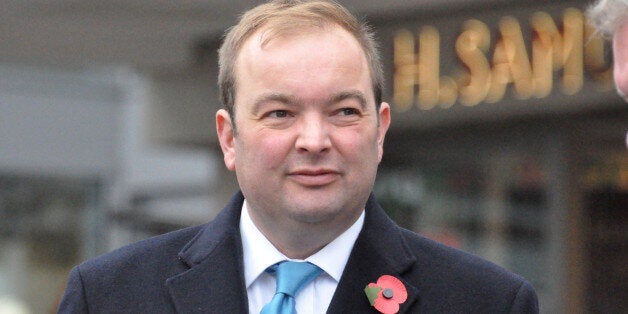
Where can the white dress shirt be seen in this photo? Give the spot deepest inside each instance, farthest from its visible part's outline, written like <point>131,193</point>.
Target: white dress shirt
<point>259,254</point>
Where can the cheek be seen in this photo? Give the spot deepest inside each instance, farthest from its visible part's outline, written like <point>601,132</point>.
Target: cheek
<point>620,55</point>
<point>620,73</point>
<point>262,150</point>
<point>357,146</point>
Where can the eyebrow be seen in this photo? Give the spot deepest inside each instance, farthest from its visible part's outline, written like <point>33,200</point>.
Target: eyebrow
<point>287,99</point>
<point>355,94</point>
<point>273,97</point>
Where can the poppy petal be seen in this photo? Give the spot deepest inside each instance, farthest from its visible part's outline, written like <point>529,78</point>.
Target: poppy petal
<point>386,306</point>
<point>400,294</point>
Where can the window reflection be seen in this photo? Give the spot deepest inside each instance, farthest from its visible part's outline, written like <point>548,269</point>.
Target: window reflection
<point>40,239</point>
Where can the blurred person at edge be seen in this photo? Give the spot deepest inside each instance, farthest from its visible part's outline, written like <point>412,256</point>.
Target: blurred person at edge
<point>303,128</point>
<point>610,17</point>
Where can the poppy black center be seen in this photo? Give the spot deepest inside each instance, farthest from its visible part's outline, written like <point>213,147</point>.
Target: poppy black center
<point>388,293</point>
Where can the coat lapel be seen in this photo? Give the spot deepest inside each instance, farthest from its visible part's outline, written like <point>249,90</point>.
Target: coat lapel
<point>379,250</point>
<point>214,281</point>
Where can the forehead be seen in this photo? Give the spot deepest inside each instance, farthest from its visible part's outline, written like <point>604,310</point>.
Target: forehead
<point>269,38</point>
<point>311,53</point>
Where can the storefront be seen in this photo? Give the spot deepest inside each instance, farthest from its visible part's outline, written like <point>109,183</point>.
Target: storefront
<point>509,141</point>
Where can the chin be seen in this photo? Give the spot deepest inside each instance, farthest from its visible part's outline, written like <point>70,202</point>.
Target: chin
<point>315,214</point>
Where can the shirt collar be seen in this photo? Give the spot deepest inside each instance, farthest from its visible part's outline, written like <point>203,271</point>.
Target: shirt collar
<point>259,253</point>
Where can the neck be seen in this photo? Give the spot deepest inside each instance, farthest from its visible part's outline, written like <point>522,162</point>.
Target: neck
<point>298,240</point>
<point>299,249</point>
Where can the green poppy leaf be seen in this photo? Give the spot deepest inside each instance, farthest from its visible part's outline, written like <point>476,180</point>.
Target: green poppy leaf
<point>372,293</point>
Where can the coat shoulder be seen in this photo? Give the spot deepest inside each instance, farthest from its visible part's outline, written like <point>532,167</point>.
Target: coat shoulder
<point>141,267</point>
<point>464,280</point>
<point>435,254</point>
<point>151,252</point>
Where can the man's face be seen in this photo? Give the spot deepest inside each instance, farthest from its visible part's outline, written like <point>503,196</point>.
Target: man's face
<point>620,55</point>
<point>308,141</point>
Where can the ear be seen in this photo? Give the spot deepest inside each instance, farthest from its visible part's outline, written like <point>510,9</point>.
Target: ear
<point>384,123</point>
<point>225,128</point>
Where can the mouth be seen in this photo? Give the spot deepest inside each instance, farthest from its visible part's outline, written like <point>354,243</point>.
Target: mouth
<point>314,177</point>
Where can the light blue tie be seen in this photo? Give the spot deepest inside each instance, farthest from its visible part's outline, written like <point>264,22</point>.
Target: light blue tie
<point>291,277</point>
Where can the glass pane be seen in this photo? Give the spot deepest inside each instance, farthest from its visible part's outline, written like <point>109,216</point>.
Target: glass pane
<point>493,204</point>
<point>40,239</point>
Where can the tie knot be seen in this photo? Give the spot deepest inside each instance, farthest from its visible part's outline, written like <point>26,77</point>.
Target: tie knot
<point>292,276</point>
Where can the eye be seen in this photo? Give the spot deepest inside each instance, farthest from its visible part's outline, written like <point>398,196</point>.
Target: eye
<point>348,111</point>
<point>278,114</point>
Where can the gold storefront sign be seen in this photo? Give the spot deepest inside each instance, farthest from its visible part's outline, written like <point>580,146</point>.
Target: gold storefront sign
<point>488,70</point>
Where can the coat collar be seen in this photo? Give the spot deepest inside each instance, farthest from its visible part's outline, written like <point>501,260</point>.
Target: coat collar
<point>215,280</point>
<point>379,250</point>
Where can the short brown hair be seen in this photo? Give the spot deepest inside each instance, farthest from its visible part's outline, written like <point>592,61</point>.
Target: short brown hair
<point>607,15</point>
<point>285,16</point>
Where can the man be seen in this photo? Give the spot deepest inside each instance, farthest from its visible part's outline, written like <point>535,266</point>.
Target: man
<point>611,18</point>
<point>303,129</point>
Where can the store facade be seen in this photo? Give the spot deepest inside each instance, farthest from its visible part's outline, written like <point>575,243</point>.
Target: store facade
<point>509,141</point>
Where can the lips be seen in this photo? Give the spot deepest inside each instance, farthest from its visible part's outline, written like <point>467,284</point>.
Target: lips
<point>314,177</point>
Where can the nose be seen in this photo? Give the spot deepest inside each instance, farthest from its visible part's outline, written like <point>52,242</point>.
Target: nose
<point>313,135</point>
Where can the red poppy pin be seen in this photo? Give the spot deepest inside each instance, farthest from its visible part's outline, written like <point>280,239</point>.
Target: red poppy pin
<point>386,294</point>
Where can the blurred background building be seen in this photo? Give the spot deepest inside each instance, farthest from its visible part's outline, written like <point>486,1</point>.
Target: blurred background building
<point>508,139</point>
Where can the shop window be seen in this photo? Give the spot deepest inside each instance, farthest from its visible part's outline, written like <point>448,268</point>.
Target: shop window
<point>41,238</point>
<point>497,207</point>
<point>606,213</point>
